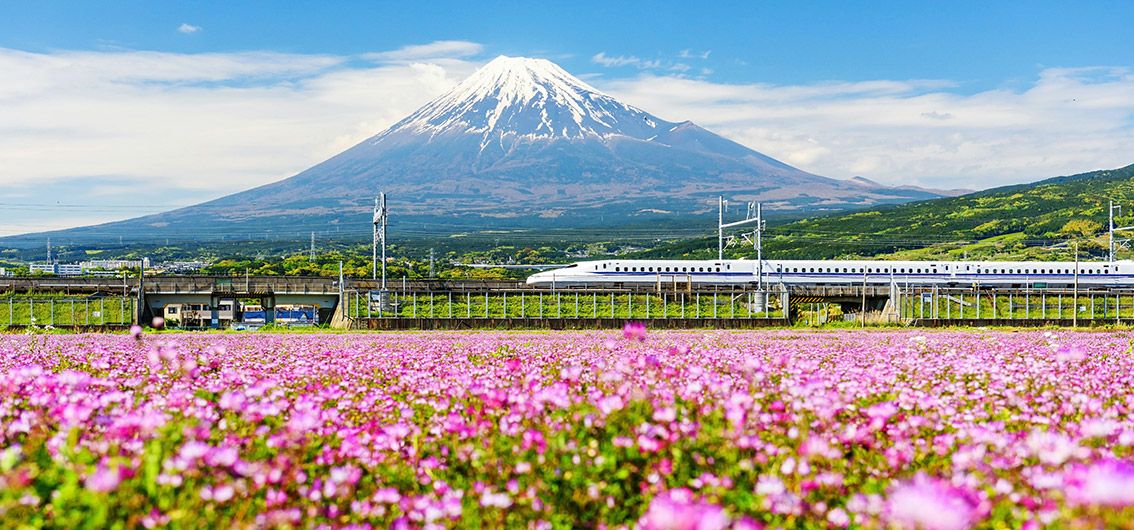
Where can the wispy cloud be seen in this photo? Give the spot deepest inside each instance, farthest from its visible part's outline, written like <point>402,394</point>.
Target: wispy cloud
<point>614,61</point>
<point>914,131</point>
<point>189,125</point>
<point>188,28</point>
<point>690,54</point>
<point>433,50</point>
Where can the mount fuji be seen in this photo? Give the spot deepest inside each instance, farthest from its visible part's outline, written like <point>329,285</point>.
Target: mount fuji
<point>520,143</point>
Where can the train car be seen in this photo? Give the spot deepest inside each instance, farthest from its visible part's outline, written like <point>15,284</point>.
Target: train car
<point>253,314</point>
<point>615,273</point>
<point>198,315</point>
<point>296,315</point>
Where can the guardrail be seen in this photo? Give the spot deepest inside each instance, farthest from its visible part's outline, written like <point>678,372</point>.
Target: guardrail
<point>561,304</point>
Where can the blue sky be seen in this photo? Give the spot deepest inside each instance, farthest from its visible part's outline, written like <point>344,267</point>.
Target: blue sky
<point>981,44</point>
<point>168,103</point>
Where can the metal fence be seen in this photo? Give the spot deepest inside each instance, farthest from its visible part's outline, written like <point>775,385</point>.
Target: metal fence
<point>1016,304</point>
<point>103,311</point>
<point>567,304</point>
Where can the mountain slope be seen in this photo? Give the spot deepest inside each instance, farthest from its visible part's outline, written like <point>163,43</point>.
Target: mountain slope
<point>519,143</point>
<point>1013,221</point>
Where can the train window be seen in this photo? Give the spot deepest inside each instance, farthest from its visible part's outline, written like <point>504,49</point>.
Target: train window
<point>718,269</point>
<point>667,269</point>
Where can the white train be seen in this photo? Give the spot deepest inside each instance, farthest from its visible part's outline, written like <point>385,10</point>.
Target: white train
<point>611,273</point>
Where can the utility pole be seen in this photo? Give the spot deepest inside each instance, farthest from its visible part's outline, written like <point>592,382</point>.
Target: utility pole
<point>1075,296</point>
<point>754,215</point>
<point>864,297</point>
<point>312,258</point>
<point>381,217</point>
<point>431,263</point>
<point>759,247</point>
<point>49,262</point>
<point>1110,228</point>
<point>720,228</point>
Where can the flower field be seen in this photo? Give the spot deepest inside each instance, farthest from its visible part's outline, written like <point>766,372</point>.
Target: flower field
<point>875,429</point>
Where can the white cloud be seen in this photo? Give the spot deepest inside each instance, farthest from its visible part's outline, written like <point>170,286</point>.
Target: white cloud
<point>434,50</point>
<point>914,132</point>
<point>188,28</point>
<point>613,61</point>
<point>189,126</point>
<point>690,54</point>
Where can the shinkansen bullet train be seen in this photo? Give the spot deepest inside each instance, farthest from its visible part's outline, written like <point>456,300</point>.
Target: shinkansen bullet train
<point>613,273</point>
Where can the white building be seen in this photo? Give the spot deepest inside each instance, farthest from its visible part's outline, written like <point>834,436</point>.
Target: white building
<point>114,264</point>
<point>58,269</point>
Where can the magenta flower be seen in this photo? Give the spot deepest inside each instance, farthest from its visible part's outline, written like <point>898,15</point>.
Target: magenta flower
<point>678,510</point>
<point>1105,483</point>
<point>220,494</point>
<point>1070,353</point>
<point>634,331</point>
<point>136,332</point>
<point>931,504</point>
<point>103,479</point>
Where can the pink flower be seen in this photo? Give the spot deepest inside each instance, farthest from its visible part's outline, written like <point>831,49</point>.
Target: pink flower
<point>1070,353</point>
<point>678,510</point>
<point>931,504</point>
<point>1106,483</point>
<point>498,500</point>
<point>136,332</point>
<point>157,323</point>
<point>222,493</point>
<point>634,331</point>
<point>103,479</point>
<point>838,518</point>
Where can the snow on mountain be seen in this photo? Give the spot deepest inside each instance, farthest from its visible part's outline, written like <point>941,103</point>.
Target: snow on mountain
<point>517,98</point>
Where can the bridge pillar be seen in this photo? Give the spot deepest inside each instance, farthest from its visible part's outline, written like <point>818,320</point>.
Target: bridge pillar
<point>268,302</point>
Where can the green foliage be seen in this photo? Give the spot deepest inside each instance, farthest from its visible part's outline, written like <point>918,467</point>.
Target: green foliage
<point>1012,222</point>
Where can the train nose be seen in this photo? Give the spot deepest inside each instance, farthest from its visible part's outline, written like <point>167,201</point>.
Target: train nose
<point>536,278</point>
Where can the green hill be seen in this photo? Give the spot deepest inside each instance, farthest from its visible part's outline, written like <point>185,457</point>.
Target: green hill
<point>1012,222</point>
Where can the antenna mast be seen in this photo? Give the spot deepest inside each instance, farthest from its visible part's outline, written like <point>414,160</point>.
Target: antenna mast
<point>380,218</point>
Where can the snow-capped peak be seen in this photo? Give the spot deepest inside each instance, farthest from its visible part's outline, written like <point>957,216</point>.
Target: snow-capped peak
<point>517,98</point>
